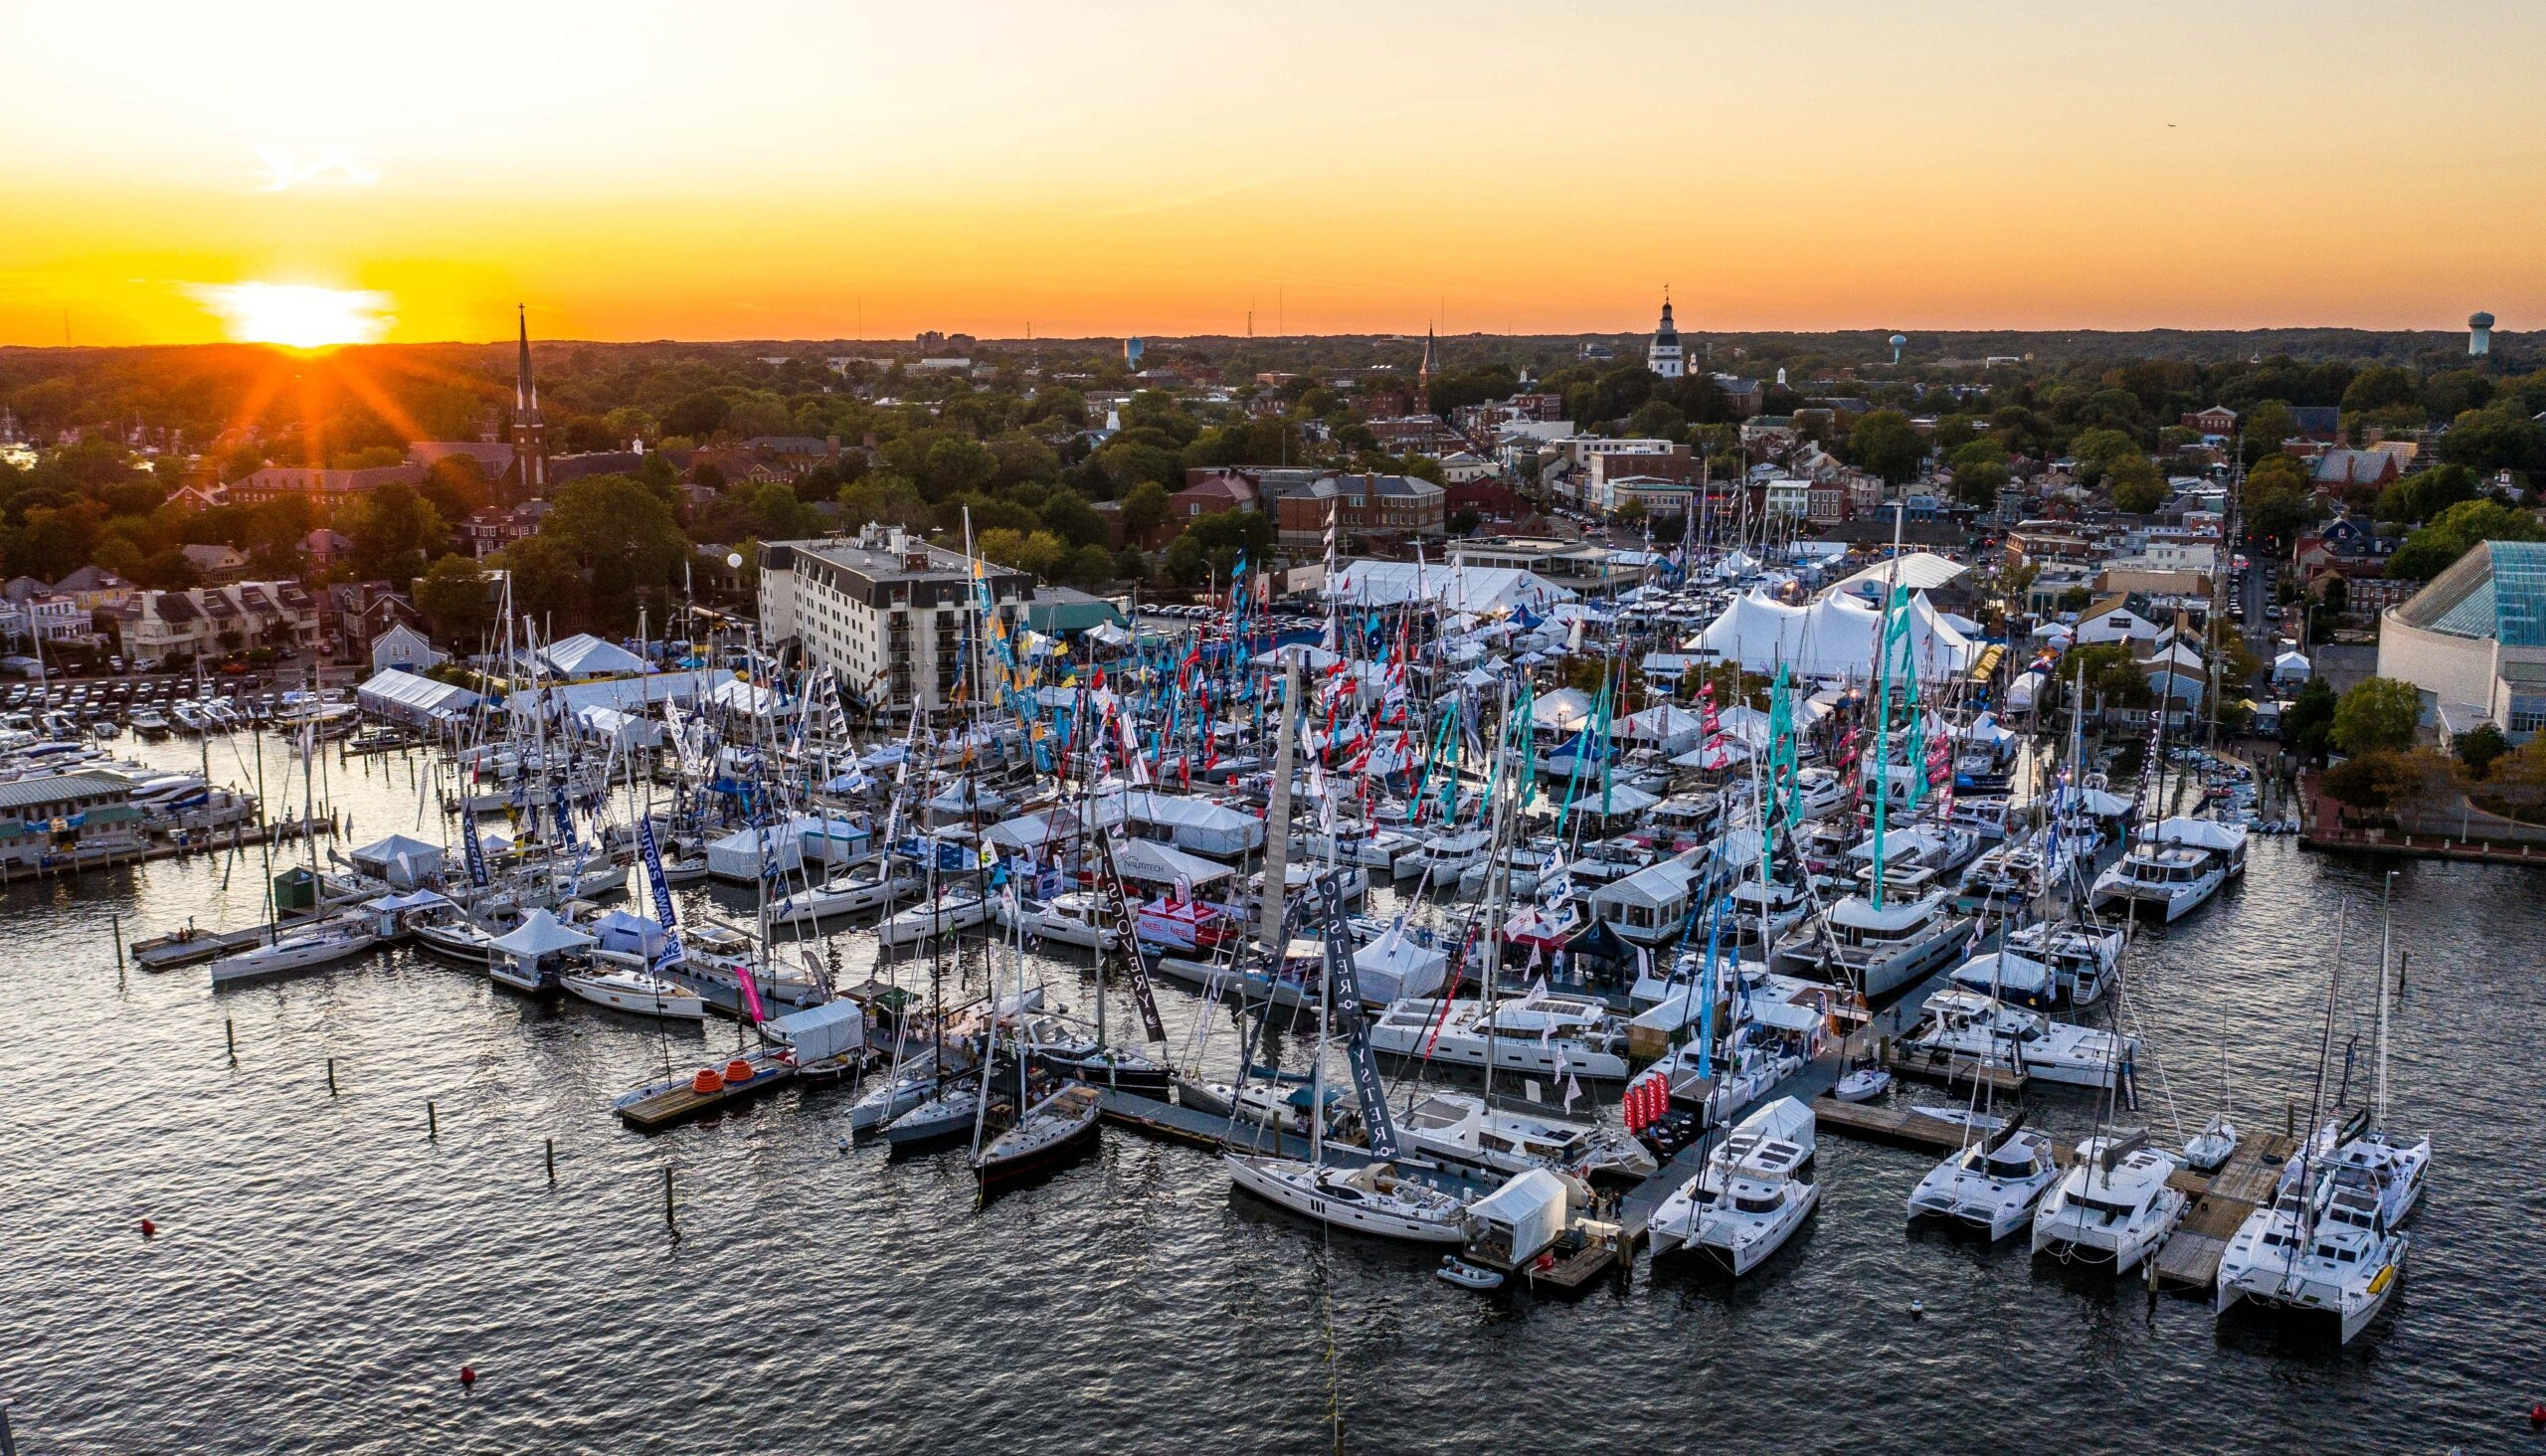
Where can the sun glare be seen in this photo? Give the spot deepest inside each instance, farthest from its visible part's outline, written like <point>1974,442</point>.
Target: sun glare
<point>298,315</point>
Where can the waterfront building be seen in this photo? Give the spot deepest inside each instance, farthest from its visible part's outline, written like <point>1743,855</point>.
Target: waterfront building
<point>890,614</point>
<point>2474,640</point>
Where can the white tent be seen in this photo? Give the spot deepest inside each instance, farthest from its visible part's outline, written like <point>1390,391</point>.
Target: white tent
<point>2291,668</point>
<point>1196,824</point>
<point>405,697</point>
<point>401,861</point>
<point>1159,864</point>
<point>1833,637</point>
<point>585,655</point>
<point>1920,571</point>
<point>737,856</point>
<point>1565,710</point>
<point>1672,729</point>
<point>1462,588</point>
<point>542,933</point>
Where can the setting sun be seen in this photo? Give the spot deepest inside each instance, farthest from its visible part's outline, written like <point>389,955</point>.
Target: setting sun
<point>298,315</point>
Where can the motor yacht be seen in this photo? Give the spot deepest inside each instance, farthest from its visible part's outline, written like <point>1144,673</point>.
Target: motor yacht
<point>1963,1027</point>
<point>1541,1033</point>
<point>2175,867</point>
<point>1879,951</point>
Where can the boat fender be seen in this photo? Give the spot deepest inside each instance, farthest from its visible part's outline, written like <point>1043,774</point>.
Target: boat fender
<point>707,1082</point>
<point>150,1229</point>
<point>737,1072</point>
<point>468,1376</point>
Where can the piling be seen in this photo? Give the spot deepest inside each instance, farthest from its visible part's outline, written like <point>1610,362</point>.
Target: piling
<point>331,1077</point>
<point>552,1162</point>
<point>667,1201</point>
<point>230,1031</point>
<point>432,1123</point>
<point>8,1442</point>
<point>117,922</point>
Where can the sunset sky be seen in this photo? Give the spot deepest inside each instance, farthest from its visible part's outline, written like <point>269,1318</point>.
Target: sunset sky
<point>753,170</point>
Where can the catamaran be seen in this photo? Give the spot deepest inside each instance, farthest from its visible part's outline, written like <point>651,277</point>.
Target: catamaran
<point>2113,1205</point>
<point>1747,1197</point>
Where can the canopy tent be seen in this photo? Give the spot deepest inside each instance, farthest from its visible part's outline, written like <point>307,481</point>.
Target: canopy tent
<point>2291,668</point>
<point>412,900</point>
<point>1194,824</point>
<point>2201,833</point>
<point>1567,710</point>
<point>2025,691</point>
<point>820,1033</point>
<point>1463,588</point>
<point>1920,571</point>
<point>1615,800</point>
<point>585,655</point>
<point>542,933</point>
<point>405,697</point>
<point>625,694</point>
<point>626,933</point>
<point>1833,637</point>
<point>623,729</point>
<point>1030,832</point>
<point>1672,729</point>
<point>401,861</point>
<point>1153,863</point>
<point>1315,660</point>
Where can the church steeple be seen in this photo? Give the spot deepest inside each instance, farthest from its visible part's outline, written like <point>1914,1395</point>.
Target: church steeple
<point>1424,376</point>
<point>530,431</point>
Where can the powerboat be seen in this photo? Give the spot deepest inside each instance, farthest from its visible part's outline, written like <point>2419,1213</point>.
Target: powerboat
<point>1967,1027</point>
<point>1541,1033</point>
<point>2175,867</point>
<point>1880,951</point>
<point>1374,1199</point>
<point>1747,1200</point>
<point>2083,959</point>
<point>2113,1205</point>
<point>1991,1186</point>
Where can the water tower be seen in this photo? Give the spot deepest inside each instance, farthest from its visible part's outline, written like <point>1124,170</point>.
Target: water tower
<point>2479,334</point>
<point>1899,342</point>
<point>1131,354</point>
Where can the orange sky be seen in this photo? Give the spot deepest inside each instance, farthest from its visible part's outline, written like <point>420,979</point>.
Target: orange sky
<point>750,170</point>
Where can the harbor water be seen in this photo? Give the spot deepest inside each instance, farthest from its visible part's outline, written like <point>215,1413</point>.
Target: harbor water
<point>323,1268</point>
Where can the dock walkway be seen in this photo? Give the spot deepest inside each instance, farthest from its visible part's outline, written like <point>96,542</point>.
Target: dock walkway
<point>2221,1205</point>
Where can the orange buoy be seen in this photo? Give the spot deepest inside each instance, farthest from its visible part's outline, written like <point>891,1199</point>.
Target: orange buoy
<point>707,1081</point>
<point>467,1376</point>
<point>150,1229</point>
<point>738,1071</point>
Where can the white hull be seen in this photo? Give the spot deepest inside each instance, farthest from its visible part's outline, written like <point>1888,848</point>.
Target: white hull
<point>673,1003</point>
<point>291,953</point>
<point>1312,1193</point>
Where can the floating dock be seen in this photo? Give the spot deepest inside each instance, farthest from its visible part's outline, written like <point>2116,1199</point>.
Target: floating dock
<point>2221,1204</point>
<point>659,1105</point>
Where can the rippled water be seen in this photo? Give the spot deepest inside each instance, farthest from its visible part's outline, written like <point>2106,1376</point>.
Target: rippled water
<point>322,1269</point>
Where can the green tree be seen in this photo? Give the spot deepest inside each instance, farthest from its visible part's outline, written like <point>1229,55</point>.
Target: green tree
<point>1089,568</point>
<point>2136,486</point>
<point>546,581</point>
<point>453,596</point>
<point>2310,723</point>
<point>2111,673</point>
<point>2378,713</point>
<point>395,531</point>
<point>1068,514</point>
<point>2418,497</point>
<point>885,498</point>
<point>2456,531</point>
<point>624,541</point>
<point>1657,420</point>
<point>1144,509</point>
<point>2479,749</point>
<point>1979,481</point>
<point>1885,442</point>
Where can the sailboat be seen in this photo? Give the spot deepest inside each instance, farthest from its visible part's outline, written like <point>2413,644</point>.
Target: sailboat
<point>2332,1241</point>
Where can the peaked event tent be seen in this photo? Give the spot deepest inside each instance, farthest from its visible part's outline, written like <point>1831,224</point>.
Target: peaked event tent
<point>1833,637</point>
<point>585,655</point>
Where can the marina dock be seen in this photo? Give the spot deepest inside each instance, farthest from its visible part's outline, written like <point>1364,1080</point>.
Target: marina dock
<point>659,1105</point>
<point>2221,1204</point>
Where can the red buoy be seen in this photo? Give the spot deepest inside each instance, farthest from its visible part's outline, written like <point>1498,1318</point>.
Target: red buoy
<point>150,1229</point>
<point>2537,1414</point>
<point>467,1376</point>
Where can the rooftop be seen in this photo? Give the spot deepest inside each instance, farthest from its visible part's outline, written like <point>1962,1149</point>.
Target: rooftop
<point>2497,591</point>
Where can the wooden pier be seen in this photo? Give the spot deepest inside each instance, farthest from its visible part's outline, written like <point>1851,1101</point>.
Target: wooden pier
<point>2221,1204</point>
<point>1897,1125</point>
<point>1947,1069</point>
<point>659,1105</point>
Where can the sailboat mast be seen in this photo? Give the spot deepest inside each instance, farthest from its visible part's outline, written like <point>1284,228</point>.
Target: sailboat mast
<point>2386,941</point>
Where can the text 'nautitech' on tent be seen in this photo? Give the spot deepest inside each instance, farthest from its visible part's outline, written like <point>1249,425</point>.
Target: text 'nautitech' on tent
<point>1832,638</point>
